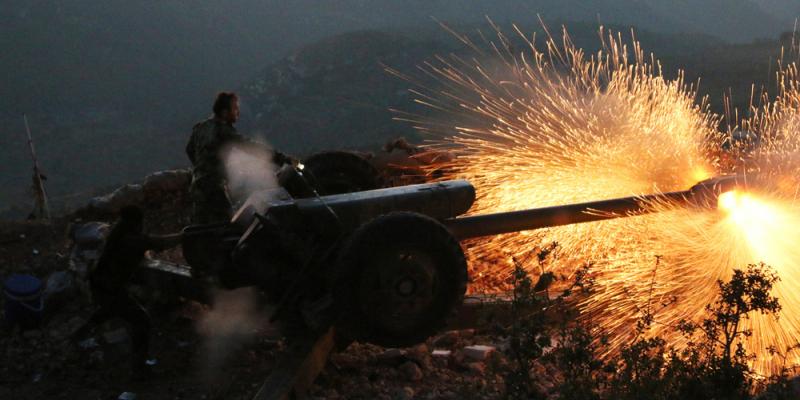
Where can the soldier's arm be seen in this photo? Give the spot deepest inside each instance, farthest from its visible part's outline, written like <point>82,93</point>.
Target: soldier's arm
<point>162,242</point>
<point>279,158</point>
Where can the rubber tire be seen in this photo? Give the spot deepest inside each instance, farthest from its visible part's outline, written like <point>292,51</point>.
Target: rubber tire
<point>337,172</point>
<point>398,230</point>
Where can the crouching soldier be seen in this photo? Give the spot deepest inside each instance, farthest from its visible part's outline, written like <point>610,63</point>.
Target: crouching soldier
<point>122,254</point>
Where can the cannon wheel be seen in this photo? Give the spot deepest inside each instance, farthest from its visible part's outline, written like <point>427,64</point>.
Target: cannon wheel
<point>401,275</point>
<point>336,172</point>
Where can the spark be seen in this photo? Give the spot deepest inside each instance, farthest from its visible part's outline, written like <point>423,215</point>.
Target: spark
<point>535,128</point>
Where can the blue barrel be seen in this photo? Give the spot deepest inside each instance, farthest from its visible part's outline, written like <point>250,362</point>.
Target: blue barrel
<point>23,300</point>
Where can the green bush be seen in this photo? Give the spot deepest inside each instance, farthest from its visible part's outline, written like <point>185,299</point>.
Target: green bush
<point>712,365</point>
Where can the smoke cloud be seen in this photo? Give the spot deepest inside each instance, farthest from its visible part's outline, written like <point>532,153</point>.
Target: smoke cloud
<point>233,322</point>
<point>249,168</point>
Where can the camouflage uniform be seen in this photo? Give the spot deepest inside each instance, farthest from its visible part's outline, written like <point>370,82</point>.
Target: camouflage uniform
<point>211,203</point>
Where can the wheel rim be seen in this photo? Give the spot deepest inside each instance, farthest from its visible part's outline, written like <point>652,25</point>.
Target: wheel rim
<point>399,287</point>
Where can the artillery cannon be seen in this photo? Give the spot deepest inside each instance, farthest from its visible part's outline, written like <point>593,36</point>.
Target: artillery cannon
<point>384,266</point>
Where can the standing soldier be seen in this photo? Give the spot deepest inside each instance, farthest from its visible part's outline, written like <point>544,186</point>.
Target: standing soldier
<point>209,138</point>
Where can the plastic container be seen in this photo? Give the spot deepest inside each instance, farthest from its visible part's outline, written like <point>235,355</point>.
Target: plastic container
<point>23,301</point>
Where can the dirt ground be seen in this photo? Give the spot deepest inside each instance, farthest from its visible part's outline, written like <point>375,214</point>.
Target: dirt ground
<point>194,361</point>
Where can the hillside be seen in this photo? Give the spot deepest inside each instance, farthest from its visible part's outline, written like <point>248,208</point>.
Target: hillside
<point>112,88</point>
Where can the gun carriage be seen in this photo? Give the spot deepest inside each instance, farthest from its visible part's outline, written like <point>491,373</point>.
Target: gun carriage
<point>383,266</point>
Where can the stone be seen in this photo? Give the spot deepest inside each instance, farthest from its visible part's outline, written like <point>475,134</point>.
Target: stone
<point>127,396</point>
<point>441,353</point>
<point>498,361</point>
<point>90,234</point>
<point>391,357</point>
<point>177,180</point>
<point>411,371</point>
<point>477,368</point>
<point>130,194</point>
<point>420,354</point>
<point>59,289</point>
<point>478,352</point>
<point>447,339</point>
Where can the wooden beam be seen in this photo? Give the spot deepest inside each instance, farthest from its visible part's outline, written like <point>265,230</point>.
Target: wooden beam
<point>297,368</point>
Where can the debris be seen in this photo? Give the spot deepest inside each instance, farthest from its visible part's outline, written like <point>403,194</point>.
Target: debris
<point>36,377</point>
<point>35,252</point>
<point>151,362</point>
<point>478,352</point>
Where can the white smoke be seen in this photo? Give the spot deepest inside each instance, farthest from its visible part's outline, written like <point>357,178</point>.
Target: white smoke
<point>232,323</point>
<point>249,168</point>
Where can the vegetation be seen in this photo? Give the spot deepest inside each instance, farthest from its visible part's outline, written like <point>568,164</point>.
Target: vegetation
<point>712,365</point>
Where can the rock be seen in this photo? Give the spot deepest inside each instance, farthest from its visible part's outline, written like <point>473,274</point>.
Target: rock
<point>90,234</point>
<point>391,357</point>
<point>421,355</point>
<point>441,353</point>
<point>411,371</point>
<point>130,194</point>
<point>170,181</point>
<point>405,393</point>
<point>498,361</point>
<point>127,396</point>
<point>478,352</point>
<point>447,339</point>
<point>441,358</point>
<point>59,289</point>
<point>477,368</point>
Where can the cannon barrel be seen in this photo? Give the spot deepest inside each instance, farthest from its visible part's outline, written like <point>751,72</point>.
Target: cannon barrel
<point>703,194</point>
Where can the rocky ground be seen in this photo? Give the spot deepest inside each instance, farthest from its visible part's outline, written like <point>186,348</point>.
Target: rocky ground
<point>195,358</point>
